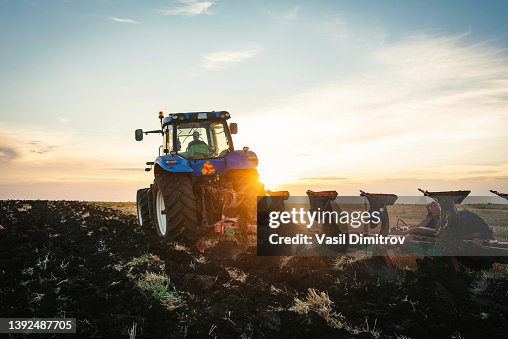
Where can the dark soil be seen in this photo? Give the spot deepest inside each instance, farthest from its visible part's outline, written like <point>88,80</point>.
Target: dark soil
<point>84,261</point>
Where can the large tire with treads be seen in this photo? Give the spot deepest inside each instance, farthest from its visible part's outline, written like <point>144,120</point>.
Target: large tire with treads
<point>174,203</point>
<point>143,208</point>
<point>468,225</point>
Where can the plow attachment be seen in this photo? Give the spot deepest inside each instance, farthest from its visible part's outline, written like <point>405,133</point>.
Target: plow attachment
<point>276,200</point>
<point>327,224</point>
<point>378,202</point>
<point>499,194</point>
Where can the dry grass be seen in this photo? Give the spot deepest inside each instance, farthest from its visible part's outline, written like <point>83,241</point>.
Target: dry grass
<point>158,286</point>
<point>132,331</point>
<point>410,213</point>
<point>237,274</point>
<point>180,247</point>
<point>200,260</point>
<point>500,268</point>
<point>205,244</point>
<point>405,262</point>
<point>343,262</point>
<point>25,208</point>
<point>127,207</point>
<point>146,258</point>
<point>320,303</point>
<point>275,291</point>
<point>495,215</point>
<point>485,281</point>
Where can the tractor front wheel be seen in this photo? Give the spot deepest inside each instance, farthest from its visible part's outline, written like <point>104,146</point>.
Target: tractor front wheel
<point>174,206</point>
<point>142,198</point>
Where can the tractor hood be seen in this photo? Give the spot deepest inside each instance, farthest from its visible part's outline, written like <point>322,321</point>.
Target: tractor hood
<point>211,166</point>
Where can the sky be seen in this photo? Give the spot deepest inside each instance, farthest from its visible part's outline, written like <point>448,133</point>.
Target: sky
<point>385,96</point>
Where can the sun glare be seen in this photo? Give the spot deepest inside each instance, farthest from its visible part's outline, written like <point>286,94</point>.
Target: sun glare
<point>273,176</point>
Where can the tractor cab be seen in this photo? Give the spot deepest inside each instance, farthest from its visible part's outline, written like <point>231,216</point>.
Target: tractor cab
<point>201,135</point>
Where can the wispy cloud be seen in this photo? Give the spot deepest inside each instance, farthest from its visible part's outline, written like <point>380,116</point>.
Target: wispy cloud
<point>7,154</point>
<point>291,15</point>
<point>189,8</point>
<point>63,120</point>
<point>125,20</point>
<point>39,147</point>
<point>222,59</point>
<point>335,28</point>
<point>285,17</point>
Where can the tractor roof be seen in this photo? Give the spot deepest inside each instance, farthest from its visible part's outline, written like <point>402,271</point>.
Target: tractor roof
<point>195,116</point>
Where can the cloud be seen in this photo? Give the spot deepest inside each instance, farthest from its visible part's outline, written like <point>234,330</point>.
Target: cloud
<point>125,21</point>
<point>335,28</point>
<point>483,177</point>
<point>446,60</point>
<point>419,103</point>
<point>222,59</point>
<point>58,154</point>
<point>190,8</point>
<point>285,17</point>
<point>7,154</point>
<point>39,147</point>
<point>291,15</point>
<point>63,120</point>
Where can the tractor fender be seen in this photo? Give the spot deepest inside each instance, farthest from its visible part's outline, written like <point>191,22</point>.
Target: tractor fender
<point>167,163</point>
<point>241,159</point>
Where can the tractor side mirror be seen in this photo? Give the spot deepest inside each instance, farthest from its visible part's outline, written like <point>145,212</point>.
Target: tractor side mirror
<point>139,134</point>
<point>233,128</point>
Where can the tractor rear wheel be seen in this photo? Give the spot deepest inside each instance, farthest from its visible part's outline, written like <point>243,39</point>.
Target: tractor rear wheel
<point>175,209</point>
<point>143,209</point>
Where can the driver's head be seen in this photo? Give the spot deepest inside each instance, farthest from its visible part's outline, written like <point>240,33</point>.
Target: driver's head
<point>195,135</point>
<point>434,209</point>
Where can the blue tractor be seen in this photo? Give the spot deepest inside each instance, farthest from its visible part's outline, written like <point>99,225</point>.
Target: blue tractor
<point>199,178</point>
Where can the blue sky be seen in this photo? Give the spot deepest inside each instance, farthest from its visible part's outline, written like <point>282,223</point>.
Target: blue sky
<point>347,95</point>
